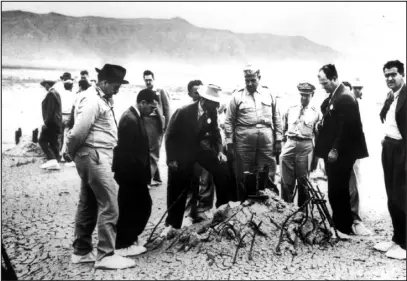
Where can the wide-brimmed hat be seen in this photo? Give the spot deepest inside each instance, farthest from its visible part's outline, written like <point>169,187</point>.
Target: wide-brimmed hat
<point>49,82</point>
<point>66,76</point>
<point>68,81</point>
<point>112,73</point>
<point>356,83</point>
<point>210,92</point>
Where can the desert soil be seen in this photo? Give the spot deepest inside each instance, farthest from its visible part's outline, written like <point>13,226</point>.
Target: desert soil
<point>38,209</point>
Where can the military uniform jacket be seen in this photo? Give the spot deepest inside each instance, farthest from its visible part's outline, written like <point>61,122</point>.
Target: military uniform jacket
<point>303,126</point>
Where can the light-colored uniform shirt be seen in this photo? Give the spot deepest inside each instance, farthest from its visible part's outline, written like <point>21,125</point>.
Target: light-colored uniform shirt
<point>390,126</point>
<point>67,97</point>
<point>302,126</point>
<point>95,124</point>
<point>247,110</point>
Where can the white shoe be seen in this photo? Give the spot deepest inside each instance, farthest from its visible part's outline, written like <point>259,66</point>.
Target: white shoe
<point>340,234</point>
<point>141,242</point>
<point>49,163</point>
<point>187,222</point>
<point>133,250</point>
<point>165,231</point>
<point>89,257</point>
<point>359,228</point>
<point>384,246</point>
<point>396,252</point>
<point>114,262</point>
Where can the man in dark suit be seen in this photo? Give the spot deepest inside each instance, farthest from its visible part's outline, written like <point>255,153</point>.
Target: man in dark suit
<point>394,117</point>
<point>340,142</point>
<point>193,135</point>
<point>131,164</point>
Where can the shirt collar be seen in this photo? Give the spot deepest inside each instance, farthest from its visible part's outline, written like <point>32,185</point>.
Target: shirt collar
<point>259,90</point>
<point>138,112</point>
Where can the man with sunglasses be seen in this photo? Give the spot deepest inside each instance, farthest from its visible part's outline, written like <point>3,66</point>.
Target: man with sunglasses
<point>253,127</point>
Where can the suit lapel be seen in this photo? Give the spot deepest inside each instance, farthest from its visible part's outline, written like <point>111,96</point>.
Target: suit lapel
<point>139,122</point>
<point>402,99</point>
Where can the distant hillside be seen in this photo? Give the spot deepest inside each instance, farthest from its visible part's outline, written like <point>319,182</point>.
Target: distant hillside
<point>33,37</point>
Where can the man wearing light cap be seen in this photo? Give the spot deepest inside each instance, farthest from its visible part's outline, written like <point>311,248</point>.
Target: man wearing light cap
<point>193,136</point>
<point>299,128</point>
<point>253,126</point>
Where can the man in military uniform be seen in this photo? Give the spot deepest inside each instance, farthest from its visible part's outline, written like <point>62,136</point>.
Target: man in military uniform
<point>253,127</point>
<point>299,128</point>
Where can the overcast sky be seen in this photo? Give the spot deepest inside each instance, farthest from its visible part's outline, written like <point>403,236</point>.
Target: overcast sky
<point>357,28</point>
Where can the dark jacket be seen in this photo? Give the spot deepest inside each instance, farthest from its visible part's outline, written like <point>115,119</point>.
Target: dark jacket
<point>401,112</point>
<point>51,110</point>
<point>342,127</point>
<point>131,159</point>
<point>185,136</point>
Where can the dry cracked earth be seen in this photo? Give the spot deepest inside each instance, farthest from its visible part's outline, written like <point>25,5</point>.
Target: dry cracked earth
<point>38,209</point>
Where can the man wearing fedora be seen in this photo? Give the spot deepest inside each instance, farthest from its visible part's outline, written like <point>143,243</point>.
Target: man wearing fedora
<point>253,128</point>
<point>51,114</point>
<point>64,88</point>
<point>358,226</point>
<point>91,142</point>
<point>193,136</point>
<point>156,125</point>
<point>299,128</point>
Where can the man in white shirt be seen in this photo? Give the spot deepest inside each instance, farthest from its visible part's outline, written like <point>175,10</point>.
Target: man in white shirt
<point>394,117</point>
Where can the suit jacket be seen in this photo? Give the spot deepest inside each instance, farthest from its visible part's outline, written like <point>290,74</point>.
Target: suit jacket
<point>163,109</point>
<point>401,112</point>
<point>51,110</point>
<point>131,159</point>
<point>184,136</point>
<point>342,127</point>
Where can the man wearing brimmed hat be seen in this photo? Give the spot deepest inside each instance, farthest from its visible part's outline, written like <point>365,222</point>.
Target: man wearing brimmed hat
<point>51,113</point>
<point>193,135</point>
<point>253,127</point>
<point>340,142</point>
<point>299,128</point>
<point>90,143</point>
<point>67,100</point>
<point>156,125</point>
<point>358,226</point>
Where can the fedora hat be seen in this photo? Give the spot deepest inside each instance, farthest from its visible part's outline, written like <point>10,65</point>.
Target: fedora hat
<point>210,92</point>
<point>112,73</point>
<point>49,82</point>
<point>66,76</point>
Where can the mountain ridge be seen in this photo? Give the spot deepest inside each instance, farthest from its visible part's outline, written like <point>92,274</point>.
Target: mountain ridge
<point>35,37</point>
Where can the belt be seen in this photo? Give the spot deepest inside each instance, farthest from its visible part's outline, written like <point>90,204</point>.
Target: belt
<point>297,138</point>
<point>254,125</point>
<point>391,139</point>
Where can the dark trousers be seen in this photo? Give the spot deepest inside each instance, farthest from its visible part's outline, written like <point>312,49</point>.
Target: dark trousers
<point>393,157</point>
<point>180,181</point>
<point>49,141</point>
<point>338,174</point>
<point>134,210</point>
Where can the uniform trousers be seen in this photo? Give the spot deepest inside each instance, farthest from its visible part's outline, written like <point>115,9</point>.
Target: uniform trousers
<point>354,185</point>
<point>155,139</point>
<point>294,165</point>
